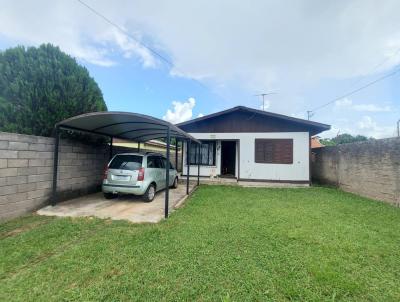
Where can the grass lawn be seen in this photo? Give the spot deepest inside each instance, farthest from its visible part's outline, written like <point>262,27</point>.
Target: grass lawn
<point>226,244</point>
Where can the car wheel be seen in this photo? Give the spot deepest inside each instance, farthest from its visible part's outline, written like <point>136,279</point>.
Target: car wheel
<point>150,193</point>
<point>109,195</point>
<point>175,184</point>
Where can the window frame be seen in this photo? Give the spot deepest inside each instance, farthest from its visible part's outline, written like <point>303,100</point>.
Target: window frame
<point>274,161</point>
<point>194,146</point>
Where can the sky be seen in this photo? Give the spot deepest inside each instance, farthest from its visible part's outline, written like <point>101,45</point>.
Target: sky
<point>206,56</point>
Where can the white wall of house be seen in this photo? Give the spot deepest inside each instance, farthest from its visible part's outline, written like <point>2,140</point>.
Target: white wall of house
<point>245,152</point>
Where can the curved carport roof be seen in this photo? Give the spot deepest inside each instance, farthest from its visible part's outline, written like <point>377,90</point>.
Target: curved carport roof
<point>123,125</point>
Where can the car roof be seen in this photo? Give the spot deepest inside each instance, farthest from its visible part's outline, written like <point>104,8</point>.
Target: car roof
<point>141,154</point>
<point>132,153</point>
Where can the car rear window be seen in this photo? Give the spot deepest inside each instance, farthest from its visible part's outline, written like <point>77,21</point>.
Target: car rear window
<point>126,162</point>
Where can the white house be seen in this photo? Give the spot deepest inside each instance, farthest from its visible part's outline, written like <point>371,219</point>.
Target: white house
<point>251,145</point>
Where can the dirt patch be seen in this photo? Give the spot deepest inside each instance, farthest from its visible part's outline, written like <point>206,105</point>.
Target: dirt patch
<point>22,229</point>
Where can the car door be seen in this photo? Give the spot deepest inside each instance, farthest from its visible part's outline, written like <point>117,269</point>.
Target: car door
<point>161,170</point>
<point>172,171</point>
<point>153,170</point>
<point>172,174</point>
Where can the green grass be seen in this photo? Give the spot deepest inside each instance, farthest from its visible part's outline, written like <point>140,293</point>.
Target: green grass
<point>226,244</point>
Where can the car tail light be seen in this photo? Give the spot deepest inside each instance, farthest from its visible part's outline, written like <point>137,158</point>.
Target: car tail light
<point>105,172</point>
<point>140,174</point>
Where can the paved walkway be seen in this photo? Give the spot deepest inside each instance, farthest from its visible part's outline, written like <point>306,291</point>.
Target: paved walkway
<point>125,207</point>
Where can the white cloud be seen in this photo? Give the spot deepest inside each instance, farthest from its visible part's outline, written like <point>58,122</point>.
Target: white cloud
<point>348,104</point>
<point>344,103</point>
<point>128,47</point>
<point>225,41</point>
<point>369,127</point>
<point>367,123</point>
<point>181,112</point>
<point>371,108</point>
<point>73,28</point>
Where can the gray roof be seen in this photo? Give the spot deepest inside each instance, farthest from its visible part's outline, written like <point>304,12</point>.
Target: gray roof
<point>124,125</point>
<point>319,126</point>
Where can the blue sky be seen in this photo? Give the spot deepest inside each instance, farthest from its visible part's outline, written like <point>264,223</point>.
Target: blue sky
<point>222,54</point>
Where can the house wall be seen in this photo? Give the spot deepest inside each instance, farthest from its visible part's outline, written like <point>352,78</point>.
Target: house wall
<point>371,168</point>
<point>248,169</point>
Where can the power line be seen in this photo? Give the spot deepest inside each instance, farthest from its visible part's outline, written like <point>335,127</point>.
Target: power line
<point>127,33</point>
<point>375,68</point>
<point>357,90</point>
<point>156,53</point>
<point>310,113</point>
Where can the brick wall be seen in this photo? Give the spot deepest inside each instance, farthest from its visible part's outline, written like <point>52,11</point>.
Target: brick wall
<point>26,171</point>
<point>371,169</point>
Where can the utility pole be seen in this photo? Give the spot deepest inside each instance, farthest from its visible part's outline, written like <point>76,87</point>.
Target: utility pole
<point>309,114</point>
<point>263,98</point>
<point>398,128</point>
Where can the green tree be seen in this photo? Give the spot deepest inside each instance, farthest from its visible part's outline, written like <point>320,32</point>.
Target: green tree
<point>327,142</point>
<point>344,138</point>
<point>42,86</point>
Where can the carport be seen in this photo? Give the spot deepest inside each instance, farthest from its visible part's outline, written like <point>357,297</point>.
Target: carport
<point>128,126</point>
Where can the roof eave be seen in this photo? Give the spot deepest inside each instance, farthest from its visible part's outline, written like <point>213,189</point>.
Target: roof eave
<point>322,127</point>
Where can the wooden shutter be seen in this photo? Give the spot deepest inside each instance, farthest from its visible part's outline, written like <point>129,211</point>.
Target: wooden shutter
<point>274,151</point>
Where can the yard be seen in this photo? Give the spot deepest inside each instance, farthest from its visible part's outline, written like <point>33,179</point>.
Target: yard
<point>226,244</point>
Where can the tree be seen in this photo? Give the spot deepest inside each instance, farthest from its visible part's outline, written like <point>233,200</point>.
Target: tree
<point>42,86</point>
<point>327,142</point>
<point>344,138</point>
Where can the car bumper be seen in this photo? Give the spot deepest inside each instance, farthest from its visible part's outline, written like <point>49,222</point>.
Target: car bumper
<point>125,189</point>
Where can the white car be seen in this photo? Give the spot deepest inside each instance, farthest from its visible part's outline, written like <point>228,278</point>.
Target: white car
<point>138,174</point>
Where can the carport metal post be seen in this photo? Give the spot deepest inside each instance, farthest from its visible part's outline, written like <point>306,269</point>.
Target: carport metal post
<point>55,165</point>
<point>167,174</point>
<point>188,143</point>
<point>111,148</point>
<point>176,154</point>
<point>198,164</point>
<point>181,168</point>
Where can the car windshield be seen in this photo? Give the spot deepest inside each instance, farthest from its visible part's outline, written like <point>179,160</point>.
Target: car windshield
<point>126,162</point>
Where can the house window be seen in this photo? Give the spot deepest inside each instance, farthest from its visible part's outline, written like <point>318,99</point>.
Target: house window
<point>274,151</point>
<point>207,153</point>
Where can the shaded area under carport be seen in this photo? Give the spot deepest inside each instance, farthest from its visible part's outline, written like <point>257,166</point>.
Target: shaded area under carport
<point>124,125</point>
<point>125,207</point>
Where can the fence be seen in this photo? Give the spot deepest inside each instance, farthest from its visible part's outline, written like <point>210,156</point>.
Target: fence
<point>370,169</point>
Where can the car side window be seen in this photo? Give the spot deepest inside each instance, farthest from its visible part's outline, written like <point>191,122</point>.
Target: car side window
<point>161,163</point>
<point>152,162</point>
<point>171,167</point>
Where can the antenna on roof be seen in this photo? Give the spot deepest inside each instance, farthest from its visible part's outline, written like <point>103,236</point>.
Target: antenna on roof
<point>263,98</point>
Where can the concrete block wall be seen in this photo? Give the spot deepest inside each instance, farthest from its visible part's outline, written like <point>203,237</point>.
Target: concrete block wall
<point>26,171</point>
<point>370,169</point>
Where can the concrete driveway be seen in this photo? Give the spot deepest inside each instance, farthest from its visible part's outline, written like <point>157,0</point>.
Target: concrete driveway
<point>126,207</point>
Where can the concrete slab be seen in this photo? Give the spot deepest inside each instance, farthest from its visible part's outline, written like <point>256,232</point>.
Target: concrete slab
<point>125,207</point>
<point>235,182</point>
